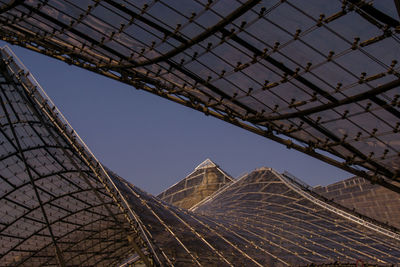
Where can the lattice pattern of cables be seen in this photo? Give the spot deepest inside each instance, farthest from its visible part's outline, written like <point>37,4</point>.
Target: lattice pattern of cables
<point>295,226</point>
<point>206,179</point>
<point>263,219</point>
<point>61,207</point>
<point>57,206</point>
<point>319,77</point>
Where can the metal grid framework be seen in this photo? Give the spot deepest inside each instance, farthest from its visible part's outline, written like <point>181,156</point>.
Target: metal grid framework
<point>263,219</point>
<point>371,200</point>
<point>317,76</point>
<point>58,205</point>
<point>206,179</point>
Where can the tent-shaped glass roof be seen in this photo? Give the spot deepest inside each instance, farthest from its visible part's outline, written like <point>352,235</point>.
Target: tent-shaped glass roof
<point>206,179</point>
<point>60,206</point>
<point>321,77</point>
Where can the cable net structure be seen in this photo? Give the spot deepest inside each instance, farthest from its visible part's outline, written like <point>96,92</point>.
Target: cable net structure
<point>262,219</point>
<point>206,179</point>
<point>59,207</point>
<point>369,199</point>
<point>319,77</point>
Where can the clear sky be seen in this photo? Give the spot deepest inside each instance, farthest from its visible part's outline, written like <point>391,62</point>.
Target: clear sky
<point>153,142</point>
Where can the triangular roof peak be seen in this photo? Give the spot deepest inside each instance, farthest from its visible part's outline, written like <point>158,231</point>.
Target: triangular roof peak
<point>208,163</point>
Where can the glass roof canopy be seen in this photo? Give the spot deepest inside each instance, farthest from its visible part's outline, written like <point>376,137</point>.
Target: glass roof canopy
<point>320,77</point>
<point>59,206</point>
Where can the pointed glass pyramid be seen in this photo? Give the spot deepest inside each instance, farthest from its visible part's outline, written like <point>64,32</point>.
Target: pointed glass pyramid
<point>206,179</point>
<point>208,163</point>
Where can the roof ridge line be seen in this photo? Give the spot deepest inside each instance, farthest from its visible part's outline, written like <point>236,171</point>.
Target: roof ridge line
<point>207,163</point>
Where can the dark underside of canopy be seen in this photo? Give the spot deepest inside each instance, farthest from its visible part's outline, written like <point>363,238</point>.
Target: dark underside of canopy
<point>320,77</point>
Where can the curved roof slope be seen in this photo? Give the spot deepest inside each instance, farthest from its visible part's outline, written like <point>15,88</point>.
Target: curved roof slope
<point>57,207</point>
<point>295,226</point>
<point>321,77</point>
<point>206,179</point>
<point>262,219</point>
<point>371,200</point>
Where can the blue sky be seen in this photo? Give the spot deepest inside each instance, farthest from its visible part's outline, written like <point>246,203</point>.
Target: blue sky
<point>153,142</point>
